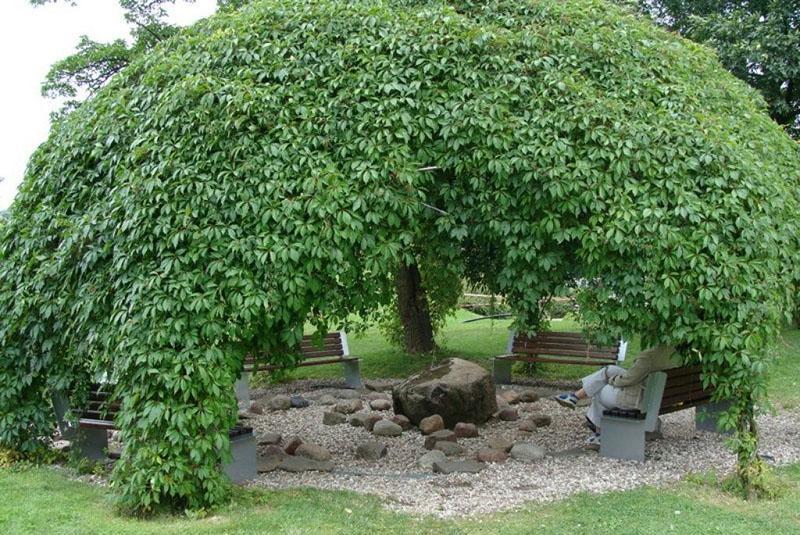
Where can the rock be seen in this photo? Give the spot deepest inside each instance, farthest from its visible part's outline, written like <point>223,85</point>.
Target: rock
<point>371,451</point>
<point>333,418</point>
<point>452,467</point>
<point>270,438</point>
<point>313,451</point>
<point>326,399</point>
<point>528,426</point>
<point>373,396</point>
<point>510,397</point>
<point>402,421</point>
<point>501,403</point>
<point>427,460</point>
<point>499,443</point>
<point>508,415</point>
<point>255,408</point>
<point>528,396</point>
<point>299,402</point>
<point>279,403</point>
<point>380,404</point>
<point>357,420</point>
<point>385,428</point>
<point>449,448</point>
<point>292,445</point>
<point>541,420</point>
<point>244,415</point>
<point>371,420</point>
<point>492,456</point>
<point>527,452</point>
<point>466,430</point>
<point>456,389</point>
<point>304,464</point>
<point>431,424</point>
<point>346,393</point>
<point>441,435</point>
<point>349,406</point>
<point>380,385</point>
<point>270,458</point>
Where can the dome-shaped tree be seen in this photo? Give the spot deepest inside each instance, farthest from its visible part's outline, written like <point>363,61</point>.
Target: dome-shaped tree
<point>262,169</point>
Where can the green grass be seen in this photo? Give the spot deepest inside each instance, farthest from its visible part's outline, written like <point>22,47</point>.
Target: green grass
<point>43,500</point>
<point>784,379</point>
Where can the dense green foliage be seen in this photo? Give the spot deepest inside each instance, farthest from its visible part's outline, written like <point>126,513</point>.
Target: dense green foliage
<point>261,170</point>
<point>757,40</point>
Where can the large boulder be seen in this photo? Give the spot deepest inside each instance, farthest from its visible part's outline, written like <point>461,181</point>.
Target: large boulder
<point>456,389</point>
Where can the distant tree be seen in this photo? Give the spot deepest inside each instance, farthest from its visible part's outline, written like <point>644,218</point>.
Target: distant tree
<point>757,40</point>
<point>93,64</point>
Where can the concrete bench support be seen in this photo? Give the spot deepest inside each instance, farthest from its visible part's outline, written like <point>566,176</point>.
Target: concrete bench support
<point>622,438</point>
<point>243,466</point>
<point>501,370</point>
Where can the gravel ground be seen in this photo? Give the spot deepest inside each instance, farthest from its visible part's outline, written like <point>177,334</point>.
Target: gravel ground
<point>567,469</point>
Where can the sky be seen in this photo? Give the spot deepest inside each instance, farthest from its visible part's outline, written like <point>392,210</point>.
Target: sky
<point>32,39</point>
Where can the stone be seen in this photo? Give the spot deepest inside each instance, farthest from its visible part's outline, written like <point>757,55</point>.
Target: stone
<point>326,399</point>
<point>379,385</point>
<point>371,451</point>
<point>449,448</point>
<point>333,418</point>
<point>346,393</point>
<point>244,415</point>
<point>527,452</point>
<point>374,396</point>
<point>529,396</point>
<point>299,402</point>
<point>279,403</point>
<point>499,443</point>
<point>456,389</point>
<point>453,467</point>
<point>380,404</point>
<point>427,460</point>
<point>441,435</point>
<point>304,464</point>
<point>501,403</point>
<point>371,420</point>
<point>465,430</point>
<point>349,406</point>
<point>292,445</point>
<point>510,396</point>
<point>270,438</point>
<point>357,420</point>
<point>385,428</point>
<point>255,408</point>
<point>541,420</point>
<point>270,458</point>
<point>313,451</point>
<point>492,456</point>
<point>527,425</point>
<point>431,424</point>
<point>508,415</point>
<point>402,421</point>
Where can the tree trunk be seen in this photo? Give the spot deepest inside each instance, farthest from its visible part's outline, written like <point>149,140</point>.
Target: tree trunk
<point>412,306</point>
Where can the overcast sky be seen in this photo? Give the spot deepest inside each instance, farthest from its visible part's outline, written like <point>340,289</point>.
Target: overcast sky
<point>32,39</point>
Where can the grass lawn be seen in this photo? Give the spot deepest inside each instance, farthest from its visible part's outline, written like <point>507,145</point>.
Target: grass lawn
<point>44,500</point>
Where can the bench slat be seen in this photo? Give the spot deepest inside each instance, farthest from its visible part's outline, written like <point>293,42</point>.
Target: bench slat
<point>564,352</point>
<point>262,366</point>
<point>556,360</point>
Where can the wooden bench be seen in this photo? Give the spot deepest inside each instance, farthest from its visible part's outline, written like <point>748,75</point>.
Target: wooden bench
<point>555,347</point>
<point>623,432</point>
<point>334,350</point>
<point>90,432</point>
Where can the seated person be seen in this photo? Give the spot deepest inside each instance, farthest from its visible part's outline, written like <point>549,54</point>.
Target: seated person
<point>613,387</point>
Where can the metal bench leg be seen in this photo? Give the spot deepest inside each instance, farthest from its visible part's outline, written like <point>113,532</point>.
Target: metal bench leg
<point>243,467</point>
<point>501,370</point>
<point>352,373</point>
<point>242,388</point>
<point>622,438</point>
<point>706,417</point>
<point>93,443</point>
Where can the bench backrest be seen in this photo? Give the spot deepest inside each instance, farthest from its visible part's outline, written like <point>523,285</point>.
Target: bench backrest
<point>99,406</point>
<point>574,346</point>
<point>334,344</point>
<point>684,389</point>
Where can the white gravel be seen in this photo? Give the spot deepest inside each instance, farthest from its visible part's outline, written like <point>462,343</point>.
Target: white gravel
<point>566,470</point>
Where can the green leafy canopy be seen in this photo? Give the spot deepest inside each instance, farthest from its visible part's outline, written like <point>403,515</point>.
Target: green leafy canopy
<point>261,169</point>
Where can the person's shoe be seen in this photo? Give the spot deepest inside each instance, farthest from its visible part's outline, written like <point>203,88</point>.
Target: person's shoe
<point>593,442</point>
<point>568,400</point>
